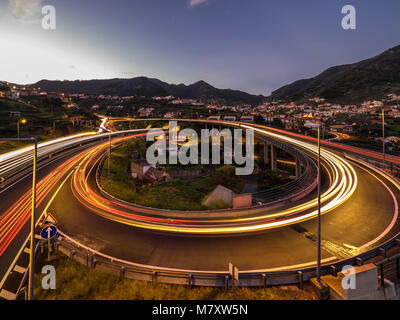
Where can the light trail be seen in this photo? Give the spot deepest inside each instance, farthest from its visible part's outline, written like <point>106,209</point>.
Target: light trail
<point>344,183</point>
<point>16,216</point>
<point>12,221</point>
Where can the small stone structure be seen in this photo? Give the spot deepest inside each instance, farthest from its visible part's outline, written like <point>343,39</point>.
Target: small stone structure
<point>242,200</point>
<point>220,195</point>
<point>366,285</point>
<point>143,171</point>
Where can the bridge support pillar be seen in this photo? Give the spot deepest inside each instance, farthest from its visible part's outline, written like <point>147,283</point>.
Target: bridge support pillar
<point>266,160</point>
<point>274,167</point>
<point>298,169</point>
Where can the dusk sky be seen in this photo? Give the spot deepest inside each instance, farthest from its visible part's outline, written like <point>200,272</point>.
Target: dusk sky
<point>253,45</point>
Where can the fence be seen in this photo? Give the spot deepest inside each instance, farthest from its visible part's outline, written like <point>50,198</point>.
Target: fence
<point>248,278</point>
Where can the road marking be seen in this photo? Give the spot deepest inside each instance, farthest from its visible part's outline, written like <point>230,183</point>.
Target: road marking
<point>7,295</point>
<point>295,266</point>
<point>19,269</point>
<point>27,250</point>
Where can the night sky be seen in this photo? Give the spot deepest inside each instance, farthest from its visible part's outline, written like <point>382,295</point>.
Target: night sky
<point>251,45</point>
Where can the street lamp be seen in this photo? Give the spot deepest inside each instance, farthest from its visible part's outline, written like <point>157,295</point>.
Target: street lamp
<point>23,121</point>
<point>109,155</point>
<point>319,211</point>
<point>383,138</point>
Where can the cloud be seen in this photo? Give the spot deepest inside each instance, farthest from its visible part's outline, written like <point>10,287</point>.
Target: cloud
<point>195,3</point>
<point>25,10</point>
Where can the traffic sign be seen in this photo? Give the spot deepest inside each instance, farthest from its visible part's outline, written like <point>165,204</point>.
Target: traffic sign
<point>2,179</point>
<point>48,219</point>
<point>48,232</point>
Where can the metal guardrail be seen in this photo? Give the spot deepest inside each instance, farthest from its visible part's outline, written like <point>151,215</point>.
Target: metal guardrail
<point>96,260</point>
<point>307,177</point>
<point>389,269</point>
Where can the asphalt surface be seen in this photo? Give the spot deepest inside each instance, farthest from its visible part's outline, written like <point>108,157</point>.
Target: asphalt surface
<point>364,217</point>
<point>345,230</point>
<point>11,195</point>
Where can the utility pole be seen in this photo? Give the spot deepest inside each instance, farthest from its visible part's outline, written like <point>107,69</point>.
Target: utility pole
<point>383,138</point>
<point>319,211</point>
<point>33,215</point>
<point>33,218</point>
<point>109,155</point>
<point>23,121</point>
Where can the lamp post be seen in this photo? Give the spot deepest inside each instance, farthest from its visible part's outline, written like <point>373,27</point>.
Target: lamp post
<point>109,155</point>
<point>23,121</point>
<point>383,138</point>
<point>33,215</point>
<point>319,211</point>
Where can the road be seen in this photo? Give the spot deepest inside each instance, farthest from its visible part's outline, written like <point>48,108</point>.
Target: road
<point>367,219</point>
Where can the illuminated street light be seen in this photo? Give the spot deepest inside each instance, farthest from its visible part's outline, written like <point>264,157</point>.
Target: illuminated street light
<point>383,138</point>
<point>319,210</point>
<point>22,121</point>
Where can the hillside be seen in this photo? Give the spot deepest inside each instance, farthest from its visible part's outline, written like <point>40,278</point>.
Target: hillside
<point>371,78</point>
<point>142,86</point>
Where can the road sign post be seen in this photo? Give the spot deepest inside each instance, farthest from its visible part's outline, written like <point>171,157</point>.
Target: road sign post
<point>48,219</point>
<point>234,273</point>
<point>47,233</point>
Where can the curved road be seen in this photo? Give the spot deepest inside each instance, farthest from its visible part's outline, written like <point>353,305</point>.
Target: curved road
<point>357,225</point>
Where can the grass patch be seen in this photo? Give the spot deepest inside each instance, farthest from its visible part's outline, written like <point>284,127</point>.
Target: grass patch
<point>77,282</point>
<point>179,194</point>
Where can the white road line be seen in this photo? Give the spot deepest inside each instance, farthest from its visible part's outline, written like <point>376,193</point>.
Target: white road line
<point>19,269</point>
<point>7,295</point>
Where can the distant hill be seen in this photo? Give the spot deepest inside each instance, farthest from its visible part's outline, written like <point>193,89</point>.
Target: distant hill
<point>370,78</point>
<point>142,86</point>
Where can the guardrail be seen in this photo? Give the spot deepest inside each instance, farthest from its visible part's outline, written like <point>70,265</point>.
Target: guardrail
<point>308,177</point>
<point>389,269</point>
<point>260,278</point>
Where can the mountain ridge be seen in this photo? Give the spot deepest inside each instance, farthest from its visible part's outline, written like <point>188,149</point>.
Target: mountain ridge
<point>370,78</point>
<point>148,87</point>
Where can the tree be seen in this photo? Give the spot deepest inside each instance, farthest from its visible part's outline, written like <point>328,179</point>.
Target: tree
<point>226,176</point>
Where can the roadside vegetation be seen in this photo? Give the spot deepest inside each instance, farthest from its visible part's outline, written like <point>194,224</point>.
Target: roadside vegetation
<point>179,194</point>
<point>77,282</point>
<point>41,115</point>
